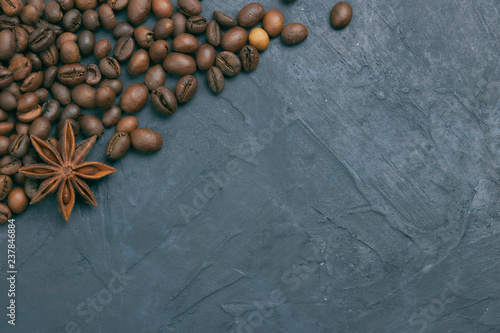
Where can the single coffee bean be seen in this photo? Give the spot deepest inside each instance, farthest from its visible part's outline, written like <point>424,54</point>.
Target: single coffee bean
<point>66,4</point>
<point>90,20</point>
<point>162,9</point>
<point>189,7</point>
<point>50,57</point>
<point>196,24</point>
<point>118,5</point>
<point>19,145</point>
<point>85,4</point>
<point>134,98</point>
<point>7,22</point>
<point>21,68</point>
<point>6,127</point>
<point>144,37</point>
<point>72,74</point>
<point>51,110</point>
<point>185,43</point>
<point>36,62</point>
<point>179,24</point>
<point>43,94</point>
<point>17,200</point>
<point>164,100</point>
<point>186,88</point>
<point>60,126</point>
<point>84,96</point>
<point>5,213</point>
<point>249,56</point>
<point>107,16</point>
<point>31,187</point>
<point>110,67</point>
<point>224,19</point>
<point>30,14</point>
<point>341,15</point>
<point>93,75</point>
<point>102,48</point>
<point>259,38</point>
<point>21,128</point>
<point>273,22</point>
<point>70,53</point>
<point>71,111</point>
<point>90,125</point>
<point>111,116</point>
<point>159,50</point>
<point>294,33</point>
<point>205,57</point>
<point>118,145</point>
<point>72,20</point>
<point>138,11</point>
<point>179,64</point>
<point>6,77</point>
<point>9,165</point>
<point>65,37</point>
<point>163,29</point>
<point>4,145</point>
<point>12,7</point>
<point>32,82</point>
<point>5,186</point>
<point>86,42</point>
<point>124,48</point>
<point>40,127</point>
<point>155,77</point>
<point>8,101</point>
<point>49,76</point>
<point>123,29</point>
<point>139,62</point>
<point>127,124</point>
<point>61,93</point>
<point>117,85</point>
<point>229,63</point>
<point>52,13</point>
<point>234,39</point>
<point>214,33</point>
<point>105,97</point>
<point>250,15</point>
<point>146,140</point>
<point>21,39</point>
<point>28,107</point>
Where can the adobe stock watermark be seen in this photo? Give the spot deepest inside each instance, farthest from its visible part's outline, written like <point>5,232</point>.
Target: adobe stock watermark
<point>247,150</point>
<point>88,309</point>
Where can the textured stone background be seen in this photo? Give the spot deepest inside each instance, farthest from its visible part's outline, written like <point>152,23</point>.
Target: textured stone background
<point>357,191</point>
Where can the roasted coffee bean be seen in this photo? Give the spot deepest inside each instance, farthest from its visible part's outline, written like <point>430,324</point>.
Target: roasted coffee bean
<point>7,22</point>
<point>74,125</point>
<point>66,37</point>
<point>107,16</point>
<point>110,67</point>
<point>134,98</point>
<point>105,97</point>
<point>102,48</point>
<point>85,4</point>
<point>84,96</point>
<point>71,111</point>
<point>86,42</point>
<point>4,145</point>
<point>341,15</point>
<point>185,43</point>
<point>111,116</point>
<point>21,128</point>
<point>90,20</point>
<point>31,187</point>
<point>12,7</point>
<point>158,51</point>
<point>51,110</point>
<point>21,68</point>
<point>57,29</point>
<point>90,125</point>
<point>50,57</point>
<point>163,100</point>
<point>9,165</point>
<point>21,39</point>
<point>229,63</point>
<point>251,14</point>
<point>72,20</point>
<point>273,22</point>
<point>196,24</point>
<point>30,14</point>
<point>66,4</point>
<point>8,42</point>
<point>259,38</point>
<point>70,53</point>
<point>52,12</point>
<point>186,88</point>
<point>28,107</point>
<point>179,64</point>
<point>146,140</point>
<point>6,77</point>
<point>189,7</point>
<point>19,145</point>
<point>138,11</point>
<point>32,82</point>
<point>6,127</point>
<point>234,39</point>
<point>93,75</point>
<point>49,76</point>
<point>179,24</point>
<point>123,29</point>
<point>162,9</point>
<point>8,101</point>
<point>155,77</point>
<point>40,127</point>
<point>17,200</point>
<point>139,62</point>
<point>72,74</point>
<point>294,33</point>
<point>224,19</point>
<point>43,94</point>
<point>36,62</point>
<point>214,34</point>
<point>249,56</point>
<point>5,186</point>
<point>205,57</point>
<point>124,48</point>
<point>118,145</point>
<point>13,88</point>
<point>61,93</point>
<point>5,213</point>
<point>163,29</point>
<point>118,5</point>
<point>127,124</point>
<point>144,37</point>
<point>117,85</point>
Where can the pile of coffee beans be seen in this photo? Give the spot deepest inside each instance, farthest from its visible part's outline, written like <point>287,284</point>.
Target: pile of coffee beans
<point>43,82</point>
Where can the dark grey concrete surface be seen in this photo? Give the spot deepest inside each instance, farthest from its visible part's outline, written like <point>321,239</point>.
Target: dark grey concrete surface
<point>349,184</point>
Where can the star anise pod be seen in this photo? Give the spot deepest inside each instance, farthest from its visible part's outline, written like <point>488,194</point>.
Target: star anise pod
<point>65,171</point>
